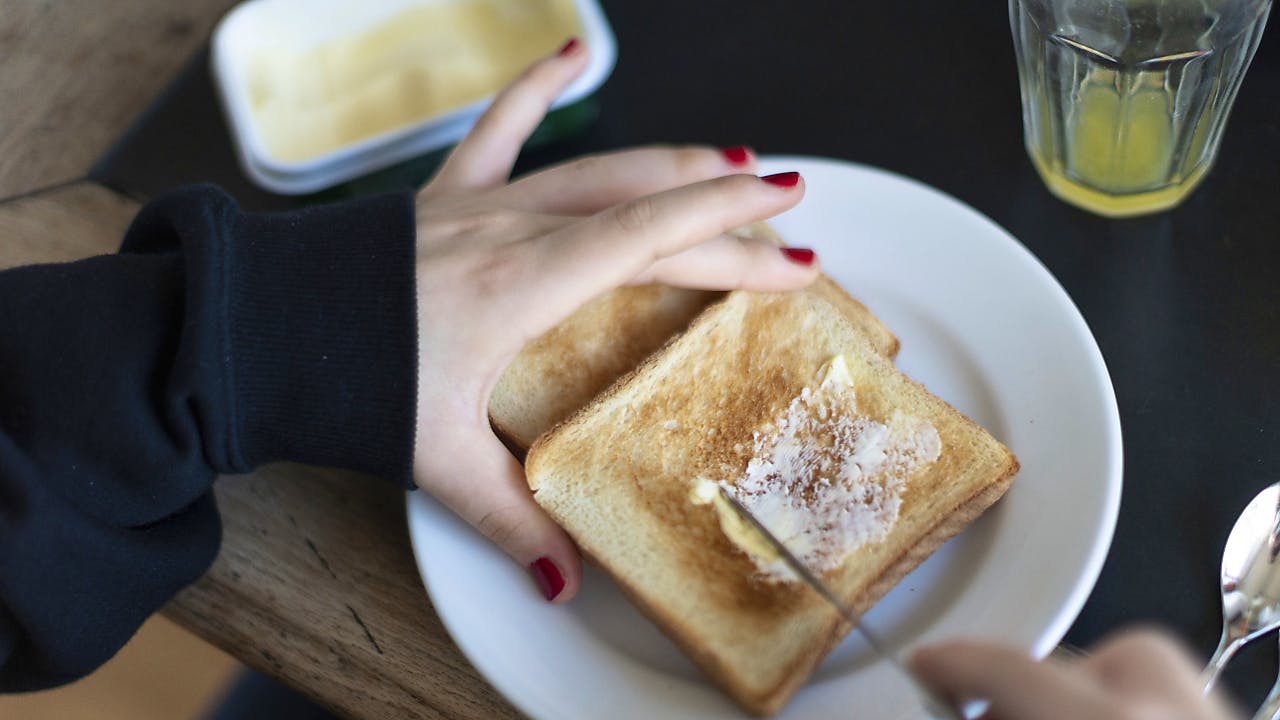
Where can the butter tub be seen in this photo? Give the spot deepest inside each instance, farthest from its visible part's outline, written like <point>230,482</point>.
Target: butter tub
<point>318,92</point>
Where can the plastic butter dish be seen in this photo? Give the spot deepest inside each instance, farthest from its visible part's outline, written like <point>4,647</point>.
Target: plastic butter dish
<point>318,92</point>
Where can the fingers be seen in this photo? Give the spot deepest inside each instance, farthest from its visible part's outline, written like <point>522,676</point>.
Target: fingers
<point>614,246</point>
<point>1137,674</point>
<point>1143,658</point>
<point>484,158</point>
<point>590,184</point>
<point>478,479</point>
<point>1146,663</point>
<point>728,262</point>
<point>1016,685</point>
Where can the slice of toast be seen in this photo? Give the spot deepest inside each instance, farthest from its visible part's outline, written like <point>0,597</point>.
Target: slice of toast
<point>777,396</point>
<point>569,365</point>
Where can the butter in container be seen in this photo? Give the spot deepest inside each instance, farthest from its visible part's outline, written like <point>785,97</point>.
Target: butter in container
<point>318,92</point>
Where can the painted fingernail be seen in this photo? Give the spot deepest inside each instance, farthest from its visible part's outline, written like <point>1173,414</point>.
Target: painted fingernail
<point>800,256</point>
<point>737,155</point>
<point>786,179</point>
<point>569,47</point>
<point>547,575</point>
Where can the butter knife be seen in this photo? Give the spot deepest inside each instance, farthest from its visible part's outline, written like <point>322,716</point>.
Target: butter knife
<point>933,704</point>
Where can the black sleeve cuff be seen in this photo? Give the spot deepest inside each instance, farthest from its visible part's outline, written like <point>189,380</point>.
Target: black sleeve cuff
<point>322,333</point>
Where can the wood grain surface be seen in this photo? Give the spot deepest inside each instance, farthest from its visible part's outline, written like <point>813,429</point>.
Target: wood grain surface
<point>66,223</point>
<point>75,73</point>
<point>316,586</point>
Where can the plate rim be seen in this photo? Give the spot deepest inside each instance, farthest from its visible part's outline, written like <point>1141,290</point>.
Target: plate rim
<point>1097,556</point>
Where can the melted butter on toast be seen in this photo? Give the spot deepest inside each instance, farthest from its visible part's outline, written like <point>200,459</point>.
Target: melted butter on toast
<point>823,478</point>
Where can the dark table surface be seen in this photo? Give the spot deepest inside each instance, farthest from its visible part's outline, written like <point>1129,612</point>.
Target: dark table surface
<point>1185,305</point>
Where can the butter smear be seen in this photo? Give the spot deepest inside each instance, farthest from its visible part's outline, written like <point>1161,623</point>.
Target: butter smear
<point>823,478</point>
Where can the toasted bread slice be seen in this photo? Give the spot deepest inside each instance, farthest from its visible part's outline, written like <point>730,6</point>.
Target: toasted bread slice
<point>568,366</point>
<point>753,397</point>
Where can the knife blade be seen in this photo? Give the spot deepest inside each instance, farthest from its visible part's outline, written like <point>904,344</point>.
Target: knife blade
<point>933,704</point>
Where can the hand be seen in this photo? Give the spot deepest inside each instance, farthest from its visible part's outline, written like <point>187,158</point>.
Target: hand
<point>1136,675</point>
<point>499,263</point>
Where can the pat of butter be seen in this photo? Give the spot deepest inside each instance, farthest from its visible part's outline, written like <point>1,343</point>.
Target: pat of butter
<point>427,59</point>
<point>704,492</point>
<point>739,531</point>
<point>836,373</point>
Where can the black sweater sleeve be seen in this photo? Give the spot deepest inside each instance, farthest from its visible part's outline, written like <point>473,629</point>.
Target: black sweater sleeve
<point>215,341</point>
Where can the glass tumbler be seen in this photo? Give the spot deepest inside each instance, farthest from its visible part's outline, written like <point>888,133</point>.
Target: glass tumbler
<point>1124,101</point>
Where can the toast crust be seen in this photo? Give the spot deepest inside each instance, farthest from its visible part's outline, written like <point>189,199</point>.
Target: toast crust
<point>764,705</point>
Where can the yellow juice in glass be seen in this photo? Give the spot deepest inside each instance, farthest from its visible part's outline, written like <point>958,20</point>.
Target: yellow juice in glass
<point>1124,102</point>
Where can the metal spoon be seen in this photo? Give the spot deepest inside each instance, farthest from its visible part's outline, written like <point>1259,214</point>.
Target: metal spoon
<point>1250,580</point>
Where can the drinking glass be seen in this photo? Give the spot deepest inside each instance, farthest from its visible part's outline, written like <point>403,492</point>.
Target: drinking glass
<point>1124,101</point>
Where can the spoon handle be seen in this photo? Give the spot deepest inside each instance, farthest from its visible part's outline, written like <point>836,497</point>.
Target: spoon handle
<point>1270,708</point>
<point>1226,648</point>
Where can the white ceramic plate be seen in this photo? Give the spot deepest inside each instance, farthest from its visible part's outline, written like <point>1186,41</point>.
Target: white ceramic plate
<point>985,326</point>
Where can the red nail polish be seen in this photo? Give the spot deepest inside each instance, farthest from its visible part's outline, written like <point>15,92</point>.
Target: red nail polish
<point>547,575</point>
<point>569,47</point>
<point>801,256</point>
<point>737,155</point>
<point>786,179</point>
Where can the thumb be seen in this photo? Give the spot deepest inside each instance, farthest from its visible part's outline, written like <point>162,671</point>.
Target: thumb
<point>1017,685</point>
<point>484,485</point>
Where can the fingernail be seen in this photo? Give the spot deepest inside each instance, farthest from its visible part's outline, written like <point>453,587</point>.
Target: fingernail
<point>737,155</point>
<point>547,575</point>
<point>786,179</point>
<point>569,47</point>
<point>800,256</point>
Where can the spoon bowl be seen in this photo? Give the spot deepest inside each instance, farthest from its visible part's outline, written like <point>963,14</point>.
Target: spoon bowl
<point>1250,580</point>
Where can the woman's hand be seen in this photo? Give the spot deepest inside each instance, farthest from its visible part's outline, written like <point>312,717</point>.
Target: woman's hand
<point>499,263</point>
<point>1136,675</point>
